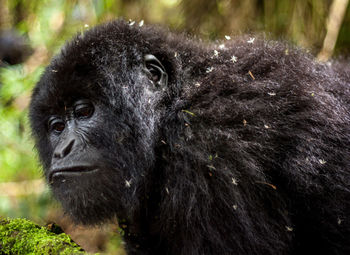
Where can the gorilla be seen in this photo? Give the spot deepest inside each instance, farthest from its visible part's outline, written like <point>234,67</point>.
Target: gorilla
<point>14,49</point>
<point>241,146</point>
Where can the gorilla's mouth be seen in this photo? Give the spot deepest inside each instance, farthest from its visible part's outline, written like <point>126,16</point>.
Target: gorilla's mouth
<point>71,171</point>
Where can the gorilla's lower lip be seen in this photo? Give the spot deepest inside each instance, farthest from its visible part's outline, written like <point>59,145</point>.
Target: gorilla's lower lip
<point>70,171</point>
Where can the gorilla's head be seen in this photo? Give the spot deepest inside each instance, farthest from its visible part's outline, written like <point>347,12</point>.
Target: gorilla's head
<point>95,115</point>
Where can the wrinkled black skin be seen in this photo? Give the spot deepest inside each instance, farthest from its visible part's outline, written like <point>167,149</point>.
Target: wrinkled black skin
<point>249,157</point>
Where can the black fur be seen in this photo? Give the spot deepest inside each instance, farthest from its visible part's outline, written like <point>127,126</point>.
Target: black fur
<point>247,150</point>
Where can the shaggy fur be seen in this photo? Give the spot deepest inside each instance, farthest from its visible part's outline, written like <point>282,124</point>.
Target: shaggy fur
<point>247,151</point>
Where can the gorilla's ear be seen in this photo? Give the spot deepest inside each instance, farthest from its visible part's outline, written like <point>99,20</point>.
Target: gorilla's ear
<point>155,71</point>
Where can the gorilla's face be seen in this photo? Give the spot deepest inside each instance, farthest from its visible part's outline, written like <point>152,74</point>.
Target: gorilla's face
<point>97,144</point>
<point>88,161</point>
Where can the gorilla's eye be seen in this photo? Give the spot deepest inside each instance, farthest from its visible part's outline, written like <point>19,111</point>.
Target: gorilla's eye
<point>83,109</point>
<point>56,124</point>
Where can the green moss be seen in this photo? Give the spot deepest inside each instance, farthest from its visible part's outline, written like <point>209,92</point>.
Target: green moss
<point>20,236</point>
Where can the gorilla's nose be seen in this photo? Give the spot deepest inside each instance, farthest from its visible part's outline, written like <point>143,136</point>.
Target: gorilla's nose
<point>64,148</point>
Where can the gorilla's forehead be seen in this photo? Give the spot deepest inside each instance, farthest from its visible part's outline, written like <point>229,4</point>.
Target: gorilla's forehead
<point>115,43</point>
<point>86,64</point>
<point>58,84</point>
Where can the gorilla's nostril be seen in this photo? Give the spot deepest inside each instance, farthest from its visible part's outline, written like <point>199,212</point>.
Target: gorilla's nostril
<point>63,149</point>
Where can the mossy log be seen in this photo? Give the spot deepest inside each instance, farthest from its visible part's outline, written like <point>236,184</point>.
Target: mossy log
<point>21,236</point>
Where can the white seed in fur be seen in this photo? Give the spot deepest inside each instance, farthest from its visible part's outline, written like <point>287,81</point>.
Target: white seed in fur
<point>234,181</point>
<point>251,40</point>
<point>128,183</point>
<point>322,161</point>
<point>216,53</point>
<point>209,69</point>
<point>234,59</point>
<point>289,229</point>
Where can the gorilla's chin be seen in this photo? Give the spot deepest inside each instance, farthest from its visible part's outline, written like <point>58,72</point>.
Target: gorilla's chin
<point>86,196</point>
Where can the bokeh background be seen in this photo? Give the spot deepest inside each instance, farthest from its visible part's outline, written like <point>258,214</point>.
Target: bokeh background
<point>31,32</point>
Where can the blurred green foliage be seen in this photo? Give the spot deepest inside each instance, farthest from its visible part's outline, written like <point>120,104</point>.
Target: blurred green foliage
<point>47,24</point>
<point>17,160</point>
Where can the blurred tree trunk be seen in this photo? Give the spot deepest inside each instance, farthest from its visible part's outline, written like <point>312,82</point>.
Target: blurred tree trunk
<point>196,12</point>
<point>19,12</point>
<point>5,20</point>
<point>335,19</point>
